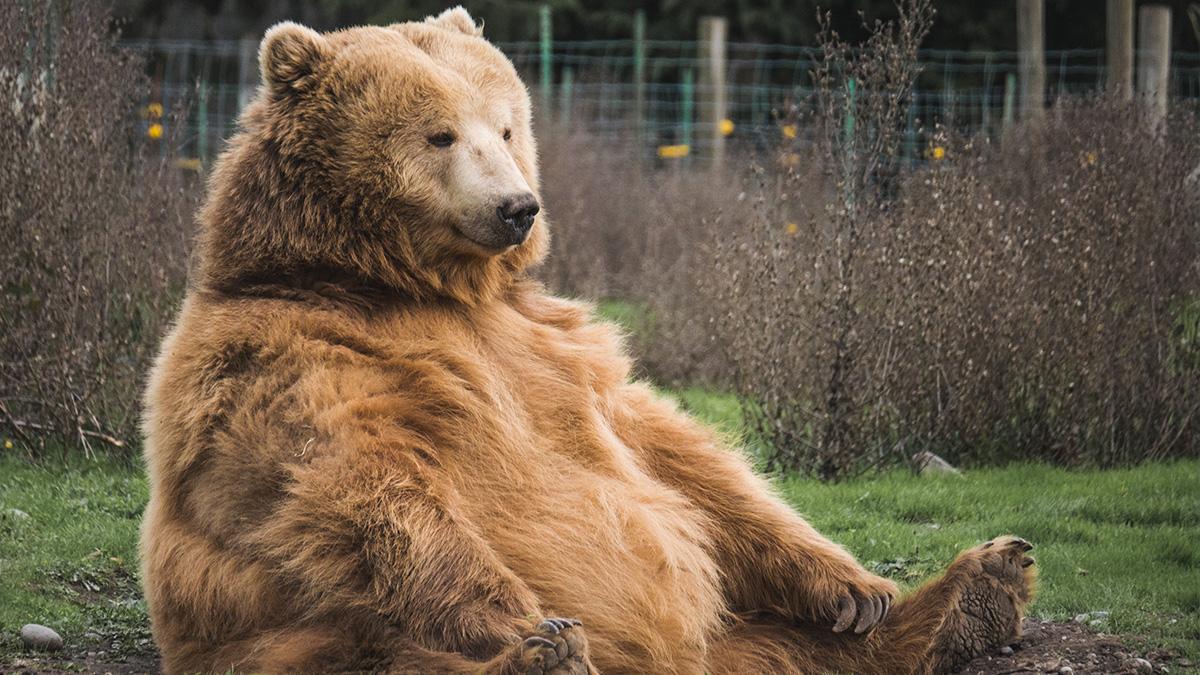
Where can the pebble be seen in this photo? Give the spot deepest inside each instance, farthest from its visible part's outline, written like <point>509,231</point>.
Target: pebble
<point>17,514</point>
<point>1141,666</point>
<point>1066,670</point>
<point>39,637</point>
<point>1006,651</point>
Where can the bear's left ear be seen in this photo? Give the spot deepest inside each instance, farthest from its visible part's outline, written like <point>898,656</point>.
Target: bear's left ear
<point>289,56</point>
<point>456,18</point>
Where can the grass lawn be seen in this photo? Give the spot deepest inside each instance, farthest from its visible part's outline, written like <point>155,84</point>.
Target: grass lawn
<point>1126,542</point>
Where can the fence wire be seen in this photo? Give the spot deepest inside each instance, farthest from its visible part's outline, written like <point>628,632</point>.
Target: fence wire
<point>594,88</point>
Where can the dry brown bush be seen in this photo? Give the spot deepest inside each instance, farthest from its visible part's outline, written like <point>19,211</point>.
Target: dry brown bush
<point>1037,297</point>
<point>95,229</point>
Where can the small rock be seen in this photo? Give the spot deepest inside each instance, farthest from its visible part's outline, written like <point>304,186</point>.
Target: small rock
<point>1091,617</point>
<point>41,638</point>
<point>1066,670</point>
<point>1006,651</point>
<point>16,514</point>
<point>1140,666</point>
<point>928,464</point>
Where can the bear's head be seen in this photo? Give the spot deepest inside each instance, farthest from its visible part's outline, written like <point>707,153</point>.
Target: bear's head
<point>401,158</point>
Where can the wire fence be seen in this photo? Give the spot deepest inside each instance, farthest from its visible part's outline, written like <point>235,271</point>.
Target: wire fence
<point>648,90</point>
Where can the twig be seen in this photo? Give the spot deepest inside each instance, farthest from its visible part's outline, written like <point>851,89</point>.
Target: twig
<point>90,433</point>
<point>12,421</point>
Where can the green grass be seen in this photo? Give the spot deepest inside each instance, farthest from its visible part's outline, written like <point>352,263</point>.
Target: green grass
<point>1125,541</point>
<point>68,552</point>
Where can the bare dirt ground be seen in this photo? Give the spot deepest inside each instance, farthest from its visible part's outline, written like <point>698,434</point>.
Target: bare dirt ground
<point>1072,649</point>
<point>1047,647</point>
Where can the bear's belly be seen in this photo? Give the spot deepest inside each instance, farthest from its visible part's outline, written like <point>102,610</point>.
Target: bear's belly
<point>625,554</point>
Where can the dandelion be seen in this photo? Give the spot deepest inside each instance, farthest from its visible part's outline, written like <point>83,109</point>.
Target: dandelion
<point>726,127</point>
<point>155,131</point>
<point>937,153</point>
<point>8,444</point>
<point>792,229</point>
<point>789,131</point>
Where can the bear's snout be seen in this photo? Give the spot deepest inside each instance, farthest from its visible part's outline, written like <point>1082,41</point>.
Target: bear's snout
<point>517,213</point>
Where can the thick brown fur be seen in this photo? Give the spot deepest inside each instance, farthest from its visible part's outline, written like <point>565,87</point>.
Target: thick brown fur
<point>376,445</point>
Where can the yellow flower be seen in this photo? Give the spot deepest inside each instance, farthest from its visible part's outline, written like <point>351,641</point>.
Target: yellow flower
<point>792,228</point>
<point>673,151</point>
<point>154,110</point>
<point>8,444</point>
<point>937,153</point>
<point>789,131</point>
<point>1090,158</point>
<point>155,131</point>
<point>726,127</point>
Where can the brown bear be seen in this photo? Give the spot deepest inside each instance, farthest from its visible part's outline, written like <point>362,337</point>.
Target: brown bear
<point>376,444</point>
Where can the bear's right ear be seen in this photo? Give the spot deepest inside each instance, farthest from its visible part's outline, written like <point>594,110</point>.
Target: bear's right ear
<point>289,57</point>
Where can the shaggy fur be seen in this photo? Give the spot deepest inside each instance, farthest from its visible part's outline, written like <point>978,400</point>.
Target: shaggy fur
<point>376,445</point>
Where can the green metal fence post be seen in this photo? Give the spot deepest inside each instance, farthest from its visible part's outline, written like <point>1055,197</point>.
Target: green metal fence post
<point>564,95</point>
<point>687,91</point>
<point>848,123</point>
<point>639,75</point>
<point>546,45</point>
<point>202,124</point>
<point>1010,95</point>
<point>848,139</point>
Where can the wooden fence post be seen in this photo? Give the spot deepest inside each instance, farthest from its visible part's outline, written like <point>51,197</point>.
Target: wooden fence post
<point>1154,59</point>
<point>713,30</point>
<point>1031,58</point>
<point>247,71</point>
<point>1119,49</point>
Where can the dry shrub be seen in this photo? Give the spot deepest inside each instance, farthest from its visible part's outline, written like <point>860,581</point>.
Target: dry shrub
<point>634,232</point>
<point>1036,297</point>
<point>95,228</point>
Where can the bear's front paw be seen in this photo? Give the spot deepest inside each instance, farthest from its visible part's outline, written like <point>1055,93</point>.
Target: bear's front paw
<point>863,602</point>
<point>558,647</point>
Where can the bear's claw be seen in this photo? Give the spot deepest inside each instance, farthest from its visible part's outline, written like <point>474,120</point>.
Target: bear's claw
<point>558,648</point>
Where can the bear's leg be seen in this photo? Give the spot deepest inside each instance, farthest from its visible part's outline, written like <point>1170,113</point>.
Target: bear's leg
<point>975,606</point>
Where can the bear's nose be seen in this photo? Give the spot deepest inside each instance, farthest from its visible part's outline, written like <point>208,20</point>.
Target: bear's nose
<point>517,212</point>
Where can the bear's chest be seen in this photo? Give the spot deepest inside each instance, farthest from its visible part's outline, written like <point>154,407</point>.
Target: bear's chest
<point>566,504</point>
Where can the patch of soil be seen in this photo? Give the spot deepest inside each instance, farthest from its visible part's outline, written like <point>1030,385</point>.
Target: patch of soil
<point>84,662</point>
<point>1046,647</point>
<point>1070,648</point>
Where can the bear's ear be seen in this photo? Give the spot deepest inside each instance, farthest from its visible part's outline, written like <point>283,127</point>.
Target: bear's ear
<point>289,56</point>
<point>456,18</point>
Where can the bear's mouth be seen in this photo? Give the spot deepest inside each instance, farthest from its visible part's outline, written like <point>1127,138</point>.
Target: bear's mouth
<point>493,239</point>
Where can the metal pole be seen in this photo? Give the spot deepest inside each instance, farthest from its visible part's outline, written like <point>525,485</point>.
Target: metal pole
<point>1031,58</point>
<point>202,124</point>
<point>639,75</point>
<point>1119,31</point>
<point>1010,95</point>
<point>687,91</point>
<point>544,29</point>
<point>564,95</point>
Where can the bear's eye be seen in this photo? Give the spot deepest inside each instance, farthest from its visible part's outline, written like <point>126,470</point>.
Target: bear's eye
<point>442,140</point>
<point>508,134</point>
